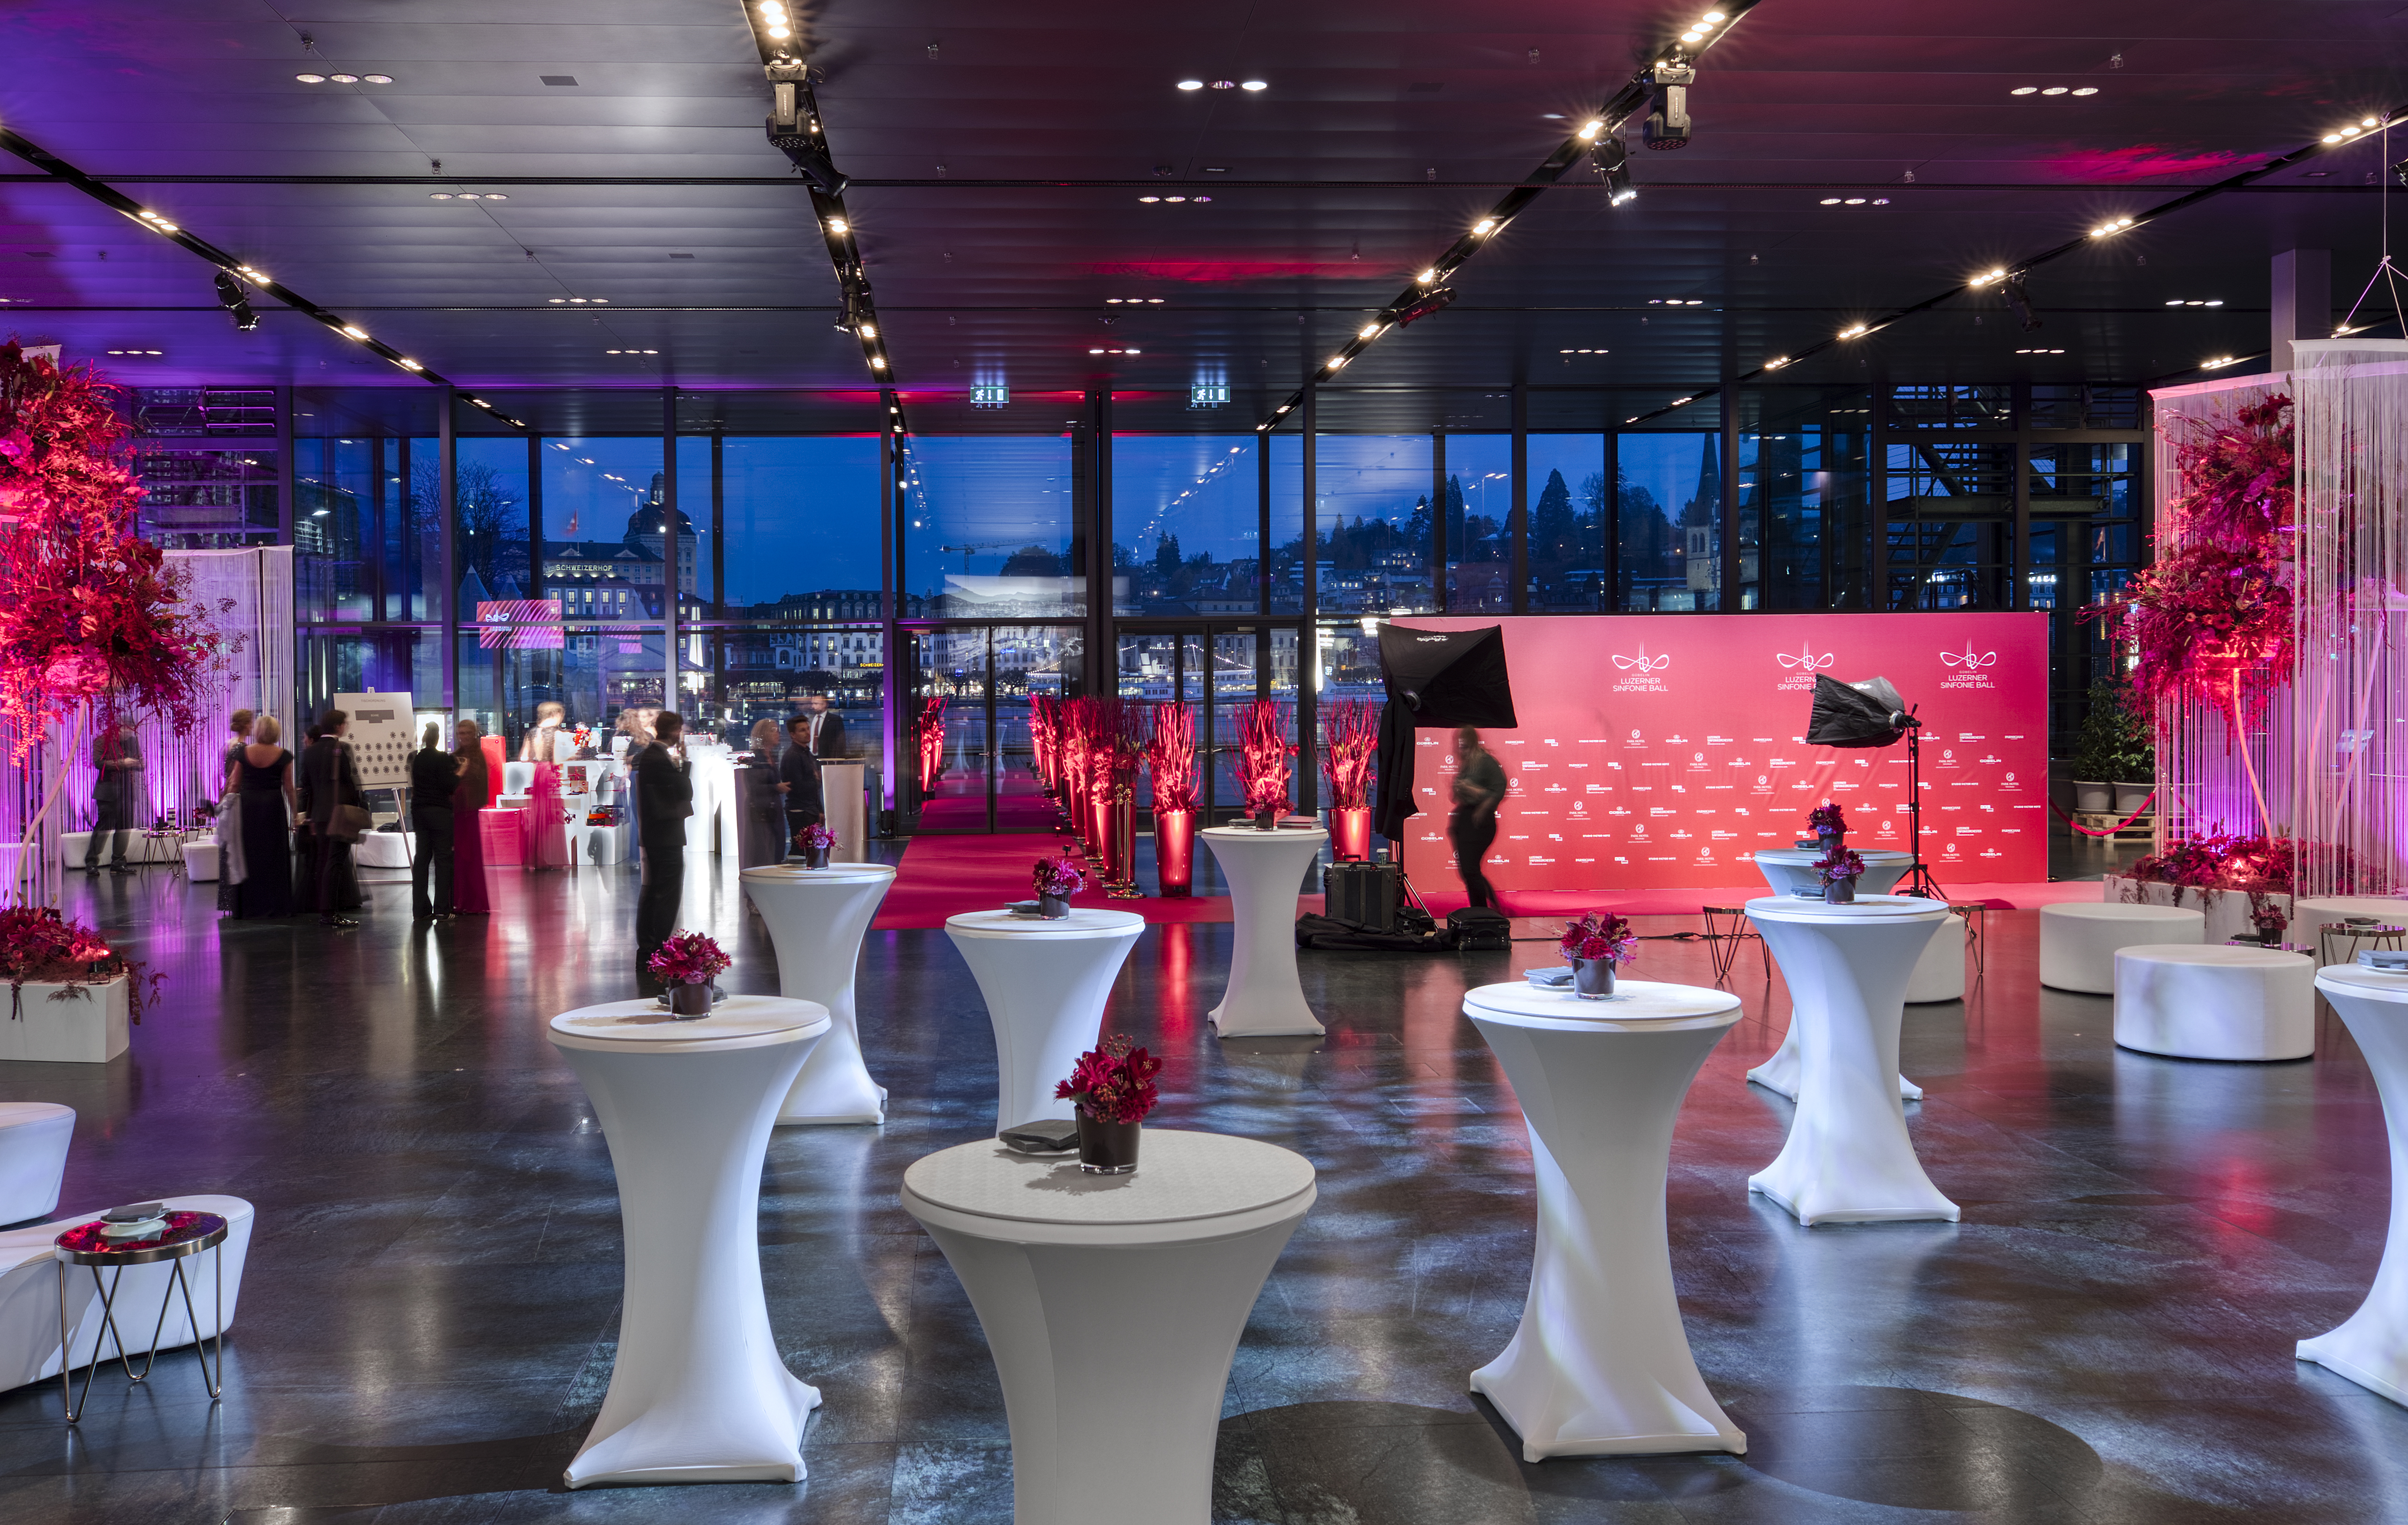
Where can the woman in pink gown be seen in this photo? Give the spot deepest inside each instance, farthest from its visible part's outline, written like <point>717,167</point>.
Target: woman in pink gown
<point>476,792</point>
<point>547,830</point>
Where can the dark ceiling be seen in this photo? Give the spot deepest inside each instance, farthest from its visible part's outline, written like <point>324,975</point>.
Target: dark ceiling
<point>999,152</point>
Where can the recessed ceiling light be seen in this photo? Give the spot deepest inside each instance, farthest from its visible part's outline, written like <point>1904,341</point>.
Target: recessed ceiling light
<point>439,195</point>
<point>1830,201</point>
<point>497,195</point>
<point>305,79</point>
<point>1255,84</point>
<point>1225,84</point>
<point>2054,90</point>
<point>1153,301</point>
<point>1174,199</point>
<point>344,79</point>
<point>1149,199</point>
<point>2087,90</point>
<point>1191,84</point>
<point>2025,90</point>
<point>378,79</point>
<point>1856,201</point>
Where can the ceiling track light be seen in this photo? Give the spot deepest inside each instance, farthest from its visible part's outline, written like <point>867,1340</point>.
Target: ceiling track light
<point>2109,229</point>
<point>238,305</point>
<point>2020,300</point>
<point>794,126</point>
<point>1668,116</point>
<point>1612,161</point>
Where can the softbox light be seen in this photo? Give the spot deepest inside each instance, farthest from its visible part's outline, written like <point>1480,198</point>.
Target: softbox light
<point>1448,677</point>
<point>1869,713</point>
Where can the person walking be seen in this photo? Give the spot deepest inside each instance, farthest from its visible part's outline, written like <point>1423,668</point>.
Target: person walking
<point>259,787</point>
<point>116,801</point>
<point>1471,826</point>
<point>471,794</point>
<point>798,780</point>
<point>434,779</point>
<point>331,797</point>
<point>664,800</point>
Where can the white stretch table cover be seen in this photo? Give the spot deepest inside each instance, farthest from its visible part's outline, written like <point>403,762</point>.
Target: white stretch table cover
<point>34,1139</point>
<point>1848,1159</point>
<point>2370,1347</point>
<point>1787,868</point>
<point>1600,1365</point>
<point>1053,1260</point>
<point>698,1394</point>
<point>2195,1001</point>
<point>1045,985</point>
<point>2078,939</point>
<point>1780,1072</point>
<point>816,918</point>
<point>1264,870</point>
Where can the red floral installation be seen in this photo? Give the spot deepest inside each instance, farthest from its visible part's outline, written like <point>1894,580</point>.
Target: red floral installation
<point>1113,1082</point>
<point>1600,934</point>
<point>1058,877</point>
<point>1263,752</point>
<point>688,959</point>
<point>1172,754</point>
<point>38,946</point>
<point>1349,746</point>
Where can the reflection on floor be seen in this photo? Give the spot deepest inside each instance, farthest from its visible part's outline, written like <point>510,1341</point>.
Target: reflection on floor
<point>427,1325</point>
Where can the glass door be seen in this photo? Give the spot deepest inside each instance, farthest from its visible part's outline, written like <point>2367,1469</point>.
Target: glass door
<point>971,762</point>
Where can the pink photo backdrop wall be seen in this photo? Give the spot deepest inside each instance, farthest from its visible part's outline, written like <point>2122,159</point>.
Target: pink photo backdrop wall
<point>1659,753</point>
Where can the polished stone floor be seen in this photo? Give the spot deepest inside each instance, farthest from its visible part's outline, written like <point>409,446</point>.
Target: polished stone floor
<point>427,1326</point>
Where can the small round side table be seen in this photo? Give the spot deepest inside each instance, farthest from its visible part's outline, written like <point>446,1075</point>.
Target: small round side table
<point>185,1235</point>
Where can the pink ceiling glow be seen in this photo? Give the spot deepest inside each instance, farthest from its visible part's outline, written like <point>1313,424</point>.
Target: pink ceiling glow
<point>2145,161</point>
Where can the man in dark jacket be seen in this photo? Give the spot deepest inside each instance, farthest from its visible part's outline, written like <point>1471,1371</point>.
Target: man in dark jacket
<point>116,796</point>
<point>1471,826</point>
<point>664,800</point>
<point>798,778</point>
<point>824,727</point>
<point>329,782</point>
<point>434,776</point>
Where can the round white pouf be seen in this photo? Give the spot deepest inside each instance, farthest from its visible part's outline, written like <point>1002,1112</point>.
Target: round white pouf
<point>816,918</point>
<point>2078,939</point>
<point>698,1394</point>
<point>34,1138</point>
<point>1791,868</point>
<point>2370,1347</point>
<point>2197,1002</point>
<point>1848,1159</point>
<point>1600,1365</point>
<point>1059,1264</point>
<point>1045,985</point>
<point>1940,973</point>
<point>1264,870</point>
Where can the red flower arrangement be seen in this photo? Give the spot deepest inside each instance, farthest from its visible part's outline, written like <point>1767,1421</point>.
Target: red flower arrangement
<point>1058,877</point>
<point>1112,1080</point>
<point>930,729</point>
<point>1263,754</point>
<point>1171,753</point>
<point>1349,746</point>
<point>1838,864</point>
<point>814,837</point>
<point>1600,934</point>
<point>688,959</point>
<point>40,946</point>
<point>1826,817</point>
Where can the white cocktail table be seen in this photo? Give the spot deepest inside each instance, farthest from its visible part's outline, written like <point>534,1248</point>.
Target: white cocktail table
<point>2370,1347</point>
<point>1045,985</point>
<point>1600,1365</point>
<point>816,919</point>
<point>1848,1159</point>
<point>698,1394</point>
<point>1265,870</point>
<point>1787,868</point>
<point>1060,1265</point>
<point>1780,1072</point>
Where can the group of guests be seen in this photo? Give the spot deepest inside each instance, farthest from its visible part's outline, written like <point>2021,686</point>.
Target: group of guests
<point>288,824</point>
<point>788,795</point>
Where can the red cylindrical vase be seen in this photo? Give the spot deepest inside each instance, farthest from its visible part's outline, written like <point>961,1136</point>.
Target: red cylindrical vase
<point>1351,832</point>
<point>1174,852</point>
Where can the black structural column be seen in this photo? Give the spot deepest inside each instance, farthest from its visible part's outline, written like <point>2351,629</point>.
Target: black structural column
<point>1308,635</point>
<point>1517,517</point>
<point>671,699</point>
<point>447,472</point>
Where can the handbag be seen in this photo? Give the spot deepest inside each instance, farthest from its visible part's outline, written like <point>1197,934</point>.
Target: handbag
<point>349,821</point>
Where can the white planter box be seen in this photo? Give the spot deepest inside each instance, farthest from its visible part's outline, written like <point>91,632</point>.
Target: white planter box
<point>2227,910</point>
<point>88,1028</point>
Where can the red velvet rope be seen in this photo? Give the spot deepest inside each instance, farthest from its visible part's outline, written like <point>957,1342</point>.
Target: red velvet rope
<point>2113,829</point>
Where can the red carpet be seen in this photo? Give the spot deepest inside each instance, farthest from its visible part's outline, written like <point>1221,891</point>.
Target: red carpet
<point>943,876</point>
<point>1687,902</point>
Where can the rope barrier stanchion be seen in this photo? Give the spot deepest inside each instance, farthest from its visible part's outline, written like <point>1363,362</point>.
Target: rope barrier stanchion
<point>2113,829</point>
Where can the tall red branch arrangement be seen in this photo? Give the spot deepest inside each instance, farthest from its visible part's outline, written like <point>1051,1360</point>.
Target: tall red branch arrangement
<point>1172,756</point>
<point>1263,752</point>
<point>93,619</point>
<point>1349,747</point>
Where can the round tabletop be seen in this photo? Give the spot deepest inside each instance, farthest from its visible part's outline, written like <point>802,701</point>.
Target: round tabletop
<point>641,1024</point>
<point>2218,954</point>
<point>2121,911</point>
<point>185,1234</point>
<point>1801,858</point>
<point>1083,920</point>
<point>1886,908</point>
<point>2358,980</point>
<point>1180,1176</point>
<point>2385,908</point>
<point>833,873</point>
<point>1248,833</point>
<point>1633,1000</point>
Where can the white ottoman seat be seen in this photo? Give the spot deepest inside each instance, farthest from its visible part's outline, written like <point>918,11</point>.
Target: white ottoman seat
<point>1940,973</point>
<point>2078,940</point>
<point>2216,1002</point>
<point>29,1293</point>
<point>32,1158</point>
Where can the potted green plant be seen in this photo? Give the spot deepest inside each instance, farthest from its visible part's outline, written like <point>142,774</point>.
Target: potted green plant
<point>2114,759</point>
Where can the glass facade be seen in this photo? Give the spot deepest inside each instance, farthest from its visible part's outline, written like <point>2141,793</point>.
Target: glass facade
<point>956,576</point>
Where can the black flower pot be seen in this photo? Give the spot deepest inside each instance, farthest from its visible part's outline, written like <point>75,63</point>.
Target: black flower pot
<point>1831,840</point>
<point>815,858</point>
<point>1053,907</point>
<point>1266,820</point>
<point>1592,978</point>
<point>688,1001</point>
<point>1840,892</point>
<point>1107,1148</point>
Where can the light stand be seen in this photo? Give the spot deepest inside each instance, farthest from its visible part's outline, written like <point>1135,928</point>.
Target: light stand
<point>1918,879</point>
<point>1870,713</point>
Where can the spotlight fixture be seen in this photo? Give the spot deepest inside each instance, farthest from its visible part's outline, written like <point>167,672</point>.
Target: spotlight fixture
<point>1422,307</point>
<point>1588,130</point>
<point>1857,331</point>
<point>256,276</point>
<point>1334,362</point>
<point>407,364</point>
<point>1668,116</point>
<point>231,297</point>
<point>839,225</point>
<point>1612,161</point>
<point>2108,230</point>
<point>2361,126</point>
<point>2020,300</point>
<point>352,332</point>
<point>1988,278</point>
<point>2220,362</point>
<point>1369,330</point>
<point>794,126</point>
<point>1776,361</point>
<point>1425,278</point>
<point>1486,225</point>
<point>1191,84</point>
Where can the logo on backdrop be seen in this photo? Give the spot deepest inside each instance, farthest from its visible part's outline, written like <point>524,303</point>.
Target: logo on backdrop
<point>1639,673</point>
<point>1968,667</point>
<point>1801,665</point>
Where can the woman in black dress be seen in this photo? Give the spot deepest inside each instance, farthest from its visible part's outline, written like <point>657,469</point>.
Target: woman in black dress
<point>261,780</point>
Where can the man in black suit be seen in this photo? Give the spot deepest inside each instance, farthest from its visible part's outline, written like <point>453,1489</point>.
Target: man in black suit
<point>825,727</point>
<point>664,800</point>
<point>117,762</point>
<point>798,780</point>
